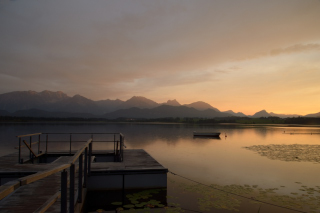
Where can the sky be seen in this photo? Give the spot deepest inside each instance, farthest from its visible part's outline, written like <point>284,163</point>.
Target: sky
<point>240,55</point>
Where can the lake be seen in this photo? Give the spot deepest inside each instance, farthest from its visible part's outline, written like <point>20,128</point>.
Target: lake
<point>245,160</point>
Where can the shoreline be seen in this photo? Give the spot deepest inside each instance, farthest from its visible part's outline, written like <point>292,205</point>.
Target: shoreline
<point>159,123</point>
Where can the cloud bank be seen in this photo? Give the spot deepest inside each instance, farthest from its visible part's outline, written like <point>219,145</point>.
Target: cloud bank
<point>117,49</point>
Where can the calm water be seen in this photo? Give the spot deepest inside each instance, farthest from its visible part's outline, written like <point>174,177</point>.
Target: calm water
<point>208,161</point>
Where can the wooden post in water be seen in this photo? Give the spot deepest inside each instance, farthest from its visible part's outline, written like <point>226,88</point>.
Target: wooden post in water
<point>89,159</point>
<point>39,145</point>
<point>71,192</point>
<point>80,179</point>
<point>30,141</point>
<point>19,161</point>
<point>70,143</point>
<point>47,144</point>
<point>114,144</point>
<point>85,169</point>
<point>64,193</point>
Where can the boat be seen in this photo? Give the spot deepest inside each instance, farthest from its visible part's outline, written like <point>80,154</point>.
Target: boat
<point>206,134</point>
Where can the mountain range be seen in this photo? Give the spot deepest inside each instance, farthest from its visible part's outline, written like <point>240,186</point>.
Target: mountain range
<point>58,104</point>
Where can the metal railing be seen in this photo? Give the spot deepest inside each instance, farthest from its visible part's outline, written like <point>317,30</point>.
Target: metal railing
<point>84,168</point>
<point>118,141</point>
<point>32,154</point>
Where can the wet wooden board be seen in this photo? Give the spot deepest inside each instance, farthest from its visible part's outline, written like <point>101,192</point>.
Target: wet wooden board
<point>134,159</point>
<point>31,197</point>
<point>28,198</point>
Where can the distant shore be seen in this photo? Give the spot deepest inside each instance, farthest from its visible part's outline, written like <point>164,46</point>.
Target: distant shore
<point>272,121</point>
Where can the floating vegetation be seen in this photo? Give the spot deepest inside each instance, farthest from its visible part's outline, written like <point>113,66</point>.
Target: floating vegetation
<point>143,201</point>
<point>294,152</point>
<point>225,197</point>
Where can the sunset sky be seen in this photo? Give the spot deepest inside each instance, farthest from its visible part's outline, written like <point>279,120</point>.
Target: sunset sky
<point>243,55</point>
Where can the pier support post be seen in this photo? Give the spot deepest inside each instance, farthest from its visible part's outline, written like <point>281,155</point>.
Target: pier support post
<point>85,169</point>
<point>64,193</point>
<point>47,143</point>
<point>39,145</point>
<point>70,144</point>
<point>31,157</point>
<point>80,179</point>
<point>71,193</point>
<point>89,159</point>
<point>19,160</point>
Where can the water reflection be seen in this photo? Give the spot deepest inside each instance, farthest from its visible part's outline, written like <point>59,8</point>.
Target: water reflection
<point>207,160</point>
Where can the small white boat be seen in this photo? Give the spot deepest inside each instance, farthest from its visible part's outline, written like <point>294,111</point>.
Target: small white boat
<point>206,134</point>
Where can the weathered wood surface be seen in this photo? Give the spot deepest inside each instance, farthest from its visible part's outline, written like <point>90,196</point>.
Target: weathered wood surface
<point>29,197</point>
<point>21,136</point>
<point>134,159</point>
<point>40,175</point>
<point>39,194</point>
<point>8,188</point>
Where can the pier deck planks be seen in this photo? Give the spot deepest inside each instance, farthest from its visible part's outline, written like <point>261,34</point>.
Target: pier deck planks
<point>30,197</point>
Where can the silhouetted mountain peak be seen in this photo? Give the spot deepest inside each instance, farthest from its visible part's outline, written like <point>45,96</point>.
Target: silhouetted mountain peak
<point>22,100</point>
<point>283,115</point>
<point>140,102</point>
<point>313,115</point>
<point>235,114</point>
<point>230,111</point>
<point>52,97</point>
<point>31,92</point>
<point>138,98</point>
<point>173,102</point>
<point>262,113</point>
<point>80,99</point>
<point>200,105</point>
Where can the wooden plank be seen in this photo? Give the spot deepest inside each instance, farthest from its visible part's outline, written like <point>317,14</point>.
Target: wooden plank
<point>48,203</point>
<point>29,148</point>
<point>8,188</point>
<point>21,136</point>
<point>29,198</point>
<point>39,175</point>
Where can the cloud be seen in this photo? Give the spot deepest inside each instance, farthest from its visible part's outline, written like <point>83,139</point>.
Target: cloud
<point>105,49</point>
<point>296,48</point>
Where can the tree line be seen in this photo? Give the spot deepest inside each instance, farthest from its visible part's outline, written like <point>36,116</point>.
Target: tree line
<point>231,120</point>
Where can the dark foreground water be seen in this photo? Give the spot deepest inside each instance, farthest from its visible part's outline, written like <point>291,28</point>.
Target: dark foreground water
<point>249,162</point>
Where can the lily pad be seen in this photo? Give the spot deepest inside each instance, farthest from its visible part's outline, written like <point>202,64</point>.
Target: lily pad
<point>128,206</point>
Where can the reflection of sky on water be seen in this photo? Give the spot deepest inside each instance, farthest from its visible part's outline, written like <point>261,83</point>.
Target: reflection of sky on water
<point>206,160</point>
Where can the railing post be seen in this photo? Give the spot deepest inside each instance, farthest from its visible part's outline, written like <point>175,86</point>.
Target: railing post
<point>30,141</point>
<point>19,150</point>
<point>85,169</point>
<point>64,193</point>
<point>89,159</point>
<point>122,145</point>
<point>114,144</point>
<point>39,144</point>
<point>71,192</point>
<point>80,179</point>
<point>70,143</point>
<point>47,144</point>
<point>117,152</point>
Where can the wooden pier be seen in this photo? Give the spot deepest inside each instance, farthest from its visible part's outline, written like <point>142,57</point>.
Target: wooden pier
<point>60,186</point>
